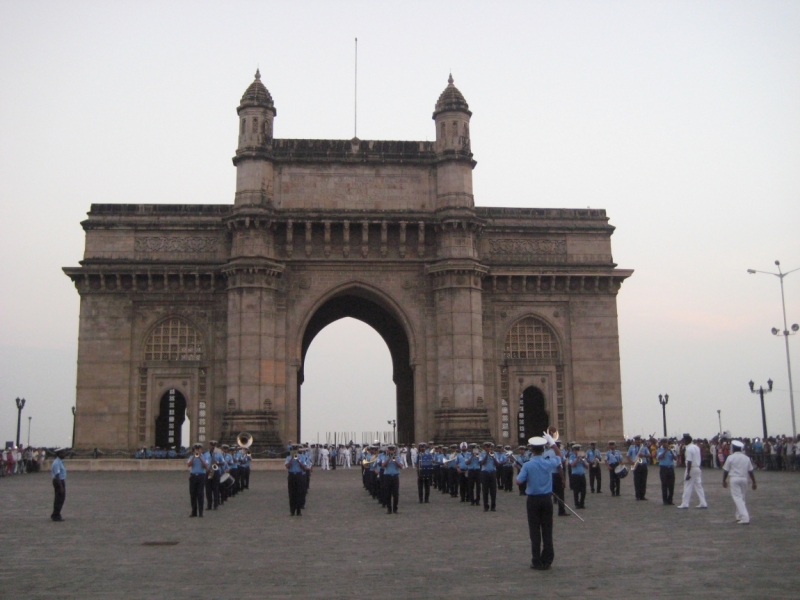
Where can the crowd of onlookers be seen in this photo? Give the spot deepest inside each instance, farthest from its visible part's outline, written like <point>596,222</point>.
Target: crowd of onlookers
<point>19,460</point>
<point>779,453</point>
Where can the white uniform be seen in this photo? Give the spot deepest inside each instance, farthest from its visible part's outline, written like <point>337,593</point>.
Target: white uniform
<point>346,457</point>
<point>323,459</point>
<point>738,465</point>
<point>695,481</point>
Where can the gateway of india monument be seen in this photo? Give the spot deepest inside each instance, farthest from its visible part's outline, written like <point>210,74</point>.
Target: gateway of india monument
<point>499,321</point>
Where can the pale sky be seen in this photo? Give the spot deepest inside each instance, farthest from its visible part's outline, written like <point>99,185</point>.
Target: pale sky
<point>681,119</point>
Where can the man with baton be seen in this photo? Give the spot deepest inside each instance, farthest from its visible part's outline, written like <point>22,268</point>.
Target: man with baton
<point>537,474</point>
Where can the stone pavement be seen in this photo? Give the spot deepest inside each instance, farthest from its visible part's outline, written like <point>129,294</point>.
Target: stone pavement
<point>346,546</point>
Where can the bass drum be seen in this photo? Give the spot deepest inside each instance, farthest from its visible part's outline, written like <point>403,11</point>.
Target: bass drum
<point>226,480</point>
<point>621,471</point>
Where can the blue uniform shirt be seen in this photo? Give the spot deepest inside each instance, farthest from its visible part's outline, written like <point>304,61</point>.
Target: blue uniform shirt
<point>538,474</point>
<point>591,454</point>
<point>666,457</point>
<point>462,461</point>
<point>294,464</point>
<point>391,467</point>
<point>197,467</point>
<point>475,463</point>
<point>613,457</point>
<point>58,469</point>
<point>489,466</point>
<point>639,450</point>
<point>578,468</point>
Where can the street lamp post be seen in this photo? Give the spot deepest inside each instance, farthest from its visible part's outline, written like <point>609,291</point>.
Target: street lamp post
<point>761,391</point>
<point>662,400</point>
<point>29,431</point>
<point>393,423</point>
<point>72,445</point>
<point>785,333</point>
<point>20,405</point>
<point>719,416</point>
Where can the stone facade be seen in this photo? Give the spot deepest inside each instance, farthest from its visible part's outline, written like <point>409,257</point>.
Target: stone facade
<point>498,320</point>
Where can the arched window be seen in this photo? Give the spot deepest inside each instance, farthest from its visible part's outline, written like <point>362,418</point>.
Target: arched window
<point>174,339</point>
<point>255,125</point>
<point>242,128</point>
<point>529,339</point>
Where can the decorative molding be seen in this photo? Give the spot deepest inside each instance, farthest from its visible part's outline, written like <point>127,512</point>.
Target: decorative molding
<point>177,244</point>
<point>527,246</point>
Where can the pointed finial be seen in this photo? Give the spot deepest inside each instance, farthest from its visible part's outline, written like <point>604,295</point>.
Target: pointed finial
<point>450,79</point>
<point>258,73</point>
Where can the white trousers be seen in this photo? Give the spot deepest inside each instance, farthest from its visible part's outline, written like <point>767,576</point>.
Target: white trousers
<point>325,465</point>
<point>694,484</point>
<point>738,486</point>
<point>347,460</point>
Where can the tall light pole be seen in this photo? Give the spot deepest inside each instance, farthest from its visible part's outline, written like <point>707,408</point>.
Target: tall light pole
<point>20,405</point>
<point>29,431</point>
<point>761,391</point>
<point>785,333</point>
<point>393,423</point>
<point>662,400</point>
<point>719,416</point>
<point>72,445</point>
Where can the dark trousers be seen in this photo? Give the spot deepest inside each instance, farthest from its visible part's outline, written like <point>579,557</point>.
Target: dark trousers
<point>436,477</point>
<point>474,486</point>
<point>489,485</point>
<point>212,490</point>
<point>667,475</point>
<point>235,486</point>
<point>595,475</point>
<point>578,485</point>
<point>392,491</point>
<point>197,486</point>
<point>424,487</point>
<point>640,481</point>
<point>296,485</point>
<point>244,478</point>
<point>558,491</point>
<point>452,482</point>
<point>508,478</point>
<point>462,485</point>
<point>613,482</point>
<point>60,490</point>
<point>540,527</point>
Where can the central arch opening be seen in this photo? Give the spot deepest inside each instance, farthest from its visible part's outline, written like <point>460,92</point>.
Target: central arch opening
<point>358,305</point>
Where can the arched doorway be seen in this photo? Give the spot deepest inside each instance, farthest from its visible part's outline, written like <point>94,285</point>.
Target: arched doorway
<point>535,419</point>
<point>171,414</point>
<point>360,305</point>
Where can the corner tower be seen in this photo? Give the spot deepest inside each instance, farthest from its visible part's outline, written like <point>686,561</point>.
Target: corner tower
<point>453,152</point>
<point>254,173</point>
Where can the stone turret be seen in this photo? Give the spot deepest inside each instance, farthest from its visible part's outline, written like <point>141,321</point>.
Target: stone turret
<point>254,172</point>
<point>453,152</point>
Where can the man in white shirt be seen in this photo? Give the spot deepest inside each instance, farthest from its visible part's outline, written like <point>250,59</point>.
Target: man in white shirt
<point>323,453</point>
<point>738,466</point>
<point>693,481</point>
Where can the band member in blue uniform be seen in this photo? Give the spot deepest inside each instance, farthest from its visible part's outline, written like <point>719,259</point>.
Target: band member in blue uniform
<point>666,470</point>
<point>639,457</point>
<point>558,479</point>
<point>296,468</point>
<point>59,473</point>
<point>474,476</point>
<point>577,475</point>
<point>391,474</point>
<point>489,464</point>
<point>244,466</point>
<point>520,458</point>
<point>212,457</point>
<point>537,476</point>
<point>613,460</point>
<point>461,468</point>
<point>424,466</point>
<point>197,480</point>
<point>593,457</point>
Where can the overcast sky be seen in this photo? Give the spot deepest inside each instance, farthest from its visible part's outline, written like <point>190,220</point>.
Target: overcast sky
<point>681,119</point>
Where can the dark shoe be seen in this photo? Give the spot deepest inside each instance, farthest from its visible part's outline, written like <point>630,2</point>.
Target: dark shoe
<point>388,512</point>
<point>537,566</point>
<point>426,501</point>
<point>57,519</point>
<point>292,513</point>
<point>395,511</point>
<point>299,514</point>
<point>599,491</point>
<point>546,567</point>
<point>492,509</point>
<point>485,509</point>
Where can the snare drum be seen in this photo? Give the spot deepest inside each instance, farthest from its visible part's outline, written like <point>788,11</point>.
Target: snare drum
<point>226,480</point>
<point>621,471</point>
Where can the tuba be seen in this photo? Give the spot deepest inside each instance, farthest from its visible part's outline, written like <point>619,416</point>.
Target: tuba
<point>244,439</point>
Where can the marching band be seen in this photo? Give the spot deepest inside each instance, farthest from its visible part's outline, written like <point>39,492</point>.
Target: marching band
<point>218,474</point>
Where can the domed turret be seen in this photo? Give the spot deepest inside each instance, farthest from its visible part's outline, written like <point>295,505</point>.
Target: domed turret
<point>256,113</point>
<point>451,99</point>
<point>452,116</point>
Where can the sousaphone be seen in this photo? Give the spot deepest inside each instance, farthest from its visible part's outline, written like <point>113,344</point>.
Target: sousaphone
<point>244,439</point>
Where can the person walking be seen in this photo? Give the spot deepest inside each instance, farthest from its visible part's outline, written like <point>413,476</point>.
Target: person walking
<point>737,468</point>
<point>537,475</point>
<point>693,480</point>
<point>59,472</point>
<point>666,470</point>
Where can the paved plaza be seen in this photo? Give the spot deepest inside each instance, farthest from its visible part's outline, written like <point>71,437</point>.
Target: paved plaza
<point>129,535</point>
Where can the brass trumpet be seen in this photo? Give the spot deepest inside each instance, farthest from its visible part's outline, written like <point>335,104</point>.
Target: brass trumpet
<point>197,453</point>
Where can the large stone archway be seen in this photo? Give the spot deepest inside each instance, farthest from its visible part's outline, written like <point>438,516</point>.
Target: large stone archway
<point>366,307</point>
<point>382,231</point>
